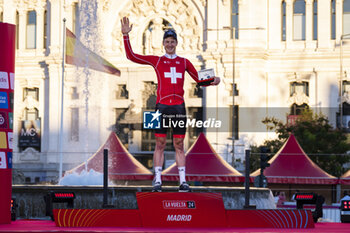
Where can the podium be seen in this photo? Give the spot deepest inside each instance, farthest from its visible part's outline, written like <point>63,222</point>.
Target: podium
<point>182,210</point>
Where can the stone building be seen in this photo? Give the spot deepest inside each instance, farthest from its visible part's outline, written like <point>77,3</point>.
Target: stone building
<point>275,57</point>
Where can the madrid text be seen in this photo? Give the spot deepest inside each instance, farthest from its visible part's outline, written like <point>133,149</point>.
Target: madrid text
<point>179,217</point>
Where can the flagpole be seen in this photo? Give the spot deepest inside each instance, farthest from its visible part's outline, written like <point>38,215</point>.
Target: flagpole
<point>62,91</point>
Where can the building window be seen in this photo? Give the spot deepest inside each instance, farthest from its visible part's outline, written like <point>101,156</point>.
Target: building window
<point>346,109</point>
<point>234,90</point>
<point>346,17</point>
<point>149,141</point>
<point>284,21</point>
<point>75,18</point>
<point>333,19</point>
<point>298,109</point>
<point>315,20</point>
<point>299,88</point>
<point>74,125</point>
<point>31,114</point>
<point>122,128</point>
<point>196,91</point>
<point>346,87</point>
<point>31,92</point>
<point>75,94</point>
<point>17,29</point>
<point>122,92</point>
<point>120,113</point>
<point>235,18</point>
<point>31,30</point>
<point>299,19</point>
<point>45,30</point>
<point>149,95</point>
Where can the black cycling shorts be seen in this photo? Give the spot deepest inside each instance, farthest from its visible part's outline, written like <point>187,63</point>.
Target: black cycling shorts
<point>173,116</point>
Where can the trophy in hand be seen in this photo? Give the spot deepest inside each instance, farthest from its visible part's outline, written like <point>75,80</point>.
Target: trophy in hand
<point>206,77</point>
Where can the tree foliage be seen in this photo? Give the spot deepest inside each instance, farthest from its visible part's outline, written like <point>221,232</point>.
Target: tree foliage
<point>325,145</point>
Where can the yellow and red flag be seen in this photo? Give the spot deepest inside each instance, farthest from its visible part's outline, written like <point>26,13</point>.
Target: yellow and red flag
<point>79,55</point>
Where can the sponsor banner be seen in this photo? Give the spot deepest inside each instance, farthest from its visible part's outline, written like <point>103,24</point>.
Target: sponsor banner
<point>3,140</point>
<point>30,135</point>
<point>181,209</point>
<point>4,81</point>
<point>3,100</point>
<point>3,163</point>
<point>7,69</point>
<point>3,120</point>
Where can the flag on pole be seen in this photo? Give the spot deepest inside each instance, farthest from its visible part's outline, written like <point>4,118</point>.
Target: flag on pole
<point>79,55</point>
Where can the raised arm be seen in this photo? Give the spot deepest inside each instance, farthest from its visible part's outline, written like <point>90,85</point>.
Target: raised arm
<point>141,59</point>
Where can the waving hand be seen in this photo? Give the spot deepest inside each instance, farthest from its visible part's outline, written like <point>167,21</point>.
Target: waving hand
<point>126,27</point>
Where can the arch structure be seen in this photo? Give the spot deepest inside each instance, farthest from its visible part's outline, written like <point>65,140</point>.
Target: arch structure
<point>151,17</point>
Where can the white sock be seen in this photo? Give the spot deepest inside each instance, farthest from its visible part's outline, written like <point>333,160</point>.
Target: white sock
<point>158,174</point>
<point>182,174</point>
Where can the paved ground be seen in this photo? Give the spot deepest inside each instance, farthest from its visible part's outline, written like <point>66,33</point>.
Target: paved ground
<point>49,226</point>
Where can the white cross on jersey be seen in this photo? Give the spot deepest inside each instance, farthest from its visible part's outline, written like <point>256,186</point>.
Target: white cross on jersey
<point>173,75</point>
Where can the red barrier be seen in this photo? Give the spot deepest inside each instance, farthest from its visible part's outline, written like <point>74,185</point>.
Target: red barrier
<point>179,210</point>
<point>274,218</point>
<point>96,218</point>
<point>7,70</point>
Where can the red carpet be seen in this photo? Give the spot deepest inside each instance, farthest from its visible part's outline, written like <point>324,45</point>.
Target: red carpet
<point>49,226</point>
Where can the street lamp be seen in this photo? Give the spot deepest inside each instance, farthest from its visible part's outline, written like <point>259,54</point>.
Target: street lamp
<point>60,139</point>
<point>233,29</point>
<point>341,80</point>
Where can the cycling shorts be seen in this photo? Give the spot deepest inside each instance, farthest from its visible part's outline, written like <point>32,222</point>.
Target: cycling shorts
<point>174,117</point>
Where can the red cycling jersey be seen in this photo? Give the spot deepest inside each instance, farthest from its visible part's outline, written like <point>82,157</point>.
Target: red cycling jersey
<point>170,70</point>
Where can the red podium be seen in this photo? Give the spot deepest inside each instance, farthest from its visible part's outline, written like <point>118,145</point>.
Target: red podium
<point>181,209</point>
<point>7,76</point>
<point>190,210</point>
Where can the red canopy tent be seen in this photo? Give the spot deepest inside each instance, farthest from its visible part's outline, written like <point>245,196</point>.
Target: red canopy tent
<point>121,164</point>
<point>290,165</point>
<point>345,178</point>
<point>204,164</point>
